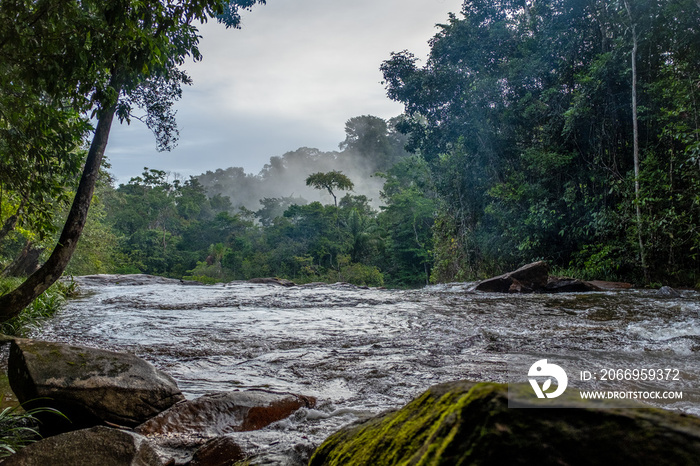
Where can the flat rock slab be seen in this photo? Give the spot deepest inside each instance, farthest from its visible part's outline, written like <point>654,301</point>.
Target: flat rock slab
<point>610,286</point>
<point>88,447</point>
<point>220,413</point>
<point>470,423</point>
<point>272,281</point>
<point>129,280</point>
<point>89,385</point>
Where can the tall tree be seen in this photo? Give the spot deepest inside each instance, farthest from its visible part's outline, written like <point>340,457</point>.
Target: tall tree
<point>635,137</point>
<point>330,181</point>
<point>83,55</point>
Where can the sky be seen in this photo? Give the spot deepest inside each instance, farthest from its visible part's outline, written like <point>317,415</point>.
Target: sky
<point>291,77</point>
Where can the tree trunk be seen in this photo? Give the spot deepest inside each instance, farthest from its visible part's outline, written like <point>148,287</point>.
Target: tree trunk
<point>26,263</point>
<point>635,136</point>
<point>12,303</point>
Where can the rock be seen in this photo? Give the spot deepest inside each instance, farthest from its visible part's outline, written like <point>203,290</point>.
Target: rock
<point>179,431</point>
<point>272,281</point>
<point>610,286</point>
<point>90,386</point>
<point>88,447</point>
<point>129,280</point>
<point>528,278</point>
<point>220,413</point>
<point>471,423</point>
<point>569,285</point>
<point>221,451</point>
<point>667,292</point>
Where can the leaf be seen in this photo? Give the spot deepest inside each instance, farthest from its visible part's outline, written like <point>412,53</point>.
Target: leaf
<point>546,385</point>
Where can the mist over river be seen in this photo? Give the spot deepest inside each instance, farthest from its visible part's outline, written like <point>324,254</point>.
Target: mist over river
<point>362,351</point>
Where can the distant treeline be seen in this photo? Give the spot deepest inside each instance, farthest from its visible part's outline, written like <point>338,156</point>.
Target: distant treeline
<point>208,228</point>
<point>562,130</point>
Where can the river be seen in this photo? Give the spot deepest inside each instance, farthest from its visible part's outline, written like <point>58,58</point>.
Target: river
<point>362,351</point>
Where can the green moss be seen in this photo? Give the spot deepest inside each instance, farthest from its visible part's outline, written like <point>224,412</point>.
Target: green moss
<point>464,423</point>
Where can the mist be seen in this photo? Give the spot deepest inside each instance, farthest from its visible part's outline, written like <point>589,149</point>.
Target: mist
<point>372,145</point>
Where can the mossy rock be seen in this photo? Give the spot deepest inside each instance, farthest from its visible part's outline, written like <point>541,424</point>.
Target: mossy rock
<point>464,423</point>
<point>88,385</point>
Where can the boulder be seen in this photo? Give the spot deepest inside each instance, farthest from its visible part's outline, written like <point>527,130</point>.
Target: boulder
<point>220,413</point>
<point>221,451</point>
<point>526,279</point>
<point>90,386</point>
<point>88,447</point>
<point>667,292</point>
<point>470,423</point>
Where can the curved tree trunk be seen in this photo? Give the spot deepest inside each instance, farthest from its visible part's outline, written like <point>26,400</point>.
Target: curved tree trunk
<point>12,303</point>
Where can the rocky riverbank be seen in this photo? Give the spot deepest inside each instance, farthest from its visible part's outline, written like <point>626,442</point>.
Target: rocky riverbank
<point>124,411</point>
<point>120,410</point>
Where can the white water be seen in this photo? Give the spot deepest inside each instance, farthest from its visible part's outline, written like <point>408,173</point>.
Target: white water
<point>363,351</point>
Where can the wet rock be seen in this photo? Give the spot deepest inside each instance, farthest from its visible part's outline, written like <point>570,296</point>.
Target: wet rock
<point>221,451</point>
<point>528,278</point>
<point>88,447</point>
<point>569,285</point>
<point>129,280</point>
<point>610,286</point>
<point>220,413</point>
<point>272,281</point>
<point>471,423</point>
<point>667,292</point>
<point>179,431</point>
<point>90,386</point>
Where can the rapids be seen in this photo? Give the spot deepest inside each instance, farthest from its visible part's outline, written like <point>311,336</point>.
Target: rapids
<point>362,351</point>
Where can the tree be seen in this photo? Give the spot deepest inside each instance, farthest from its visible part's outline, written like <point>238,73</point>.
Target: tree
<point>635,138</point>
<point>330,181</point>
<point>82,55</point>
<point>522,113</point>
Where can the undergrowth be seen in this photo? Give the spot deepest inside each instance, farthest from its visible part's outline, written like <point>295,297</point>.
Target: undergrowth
<point>43,307</point>
<point>18,428</point>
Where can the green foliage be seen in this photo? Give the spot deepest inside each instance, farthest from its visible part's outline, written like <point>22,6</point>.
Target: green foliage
<point>523,111</point>
<point>43,307</point>
<point>330,181</point>
<point>18,429</point>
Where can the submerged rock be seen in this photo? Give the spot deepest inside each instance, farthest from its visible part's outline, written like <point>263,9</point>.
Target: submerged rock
<point>90,386</point>
<point>221,451</point>
<point>667,292</point>
<point>182,429</point>
<point>471,423</point>
<point>88,447</point>
<point>220,413</point>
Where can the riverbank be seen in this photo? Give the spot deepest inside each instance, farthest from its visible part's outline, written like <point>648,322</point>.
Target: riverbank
<point>362,351</point>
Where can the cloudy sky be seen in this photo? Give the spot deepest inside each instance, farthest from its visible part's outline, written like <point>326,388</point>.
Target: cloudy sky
<point>291,77</point>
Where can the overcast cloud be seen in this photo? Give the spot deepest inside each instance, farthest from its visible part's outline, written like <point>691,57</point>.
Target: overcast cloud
<point>291,77</point>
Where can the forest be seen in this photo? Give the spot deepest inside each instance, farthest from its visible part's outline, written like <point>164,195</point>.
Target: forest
<point>558,130</point>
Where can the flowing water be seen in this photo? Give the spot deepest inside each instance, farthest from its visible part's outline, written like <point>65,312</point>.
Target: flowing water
<point>362,351</point>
